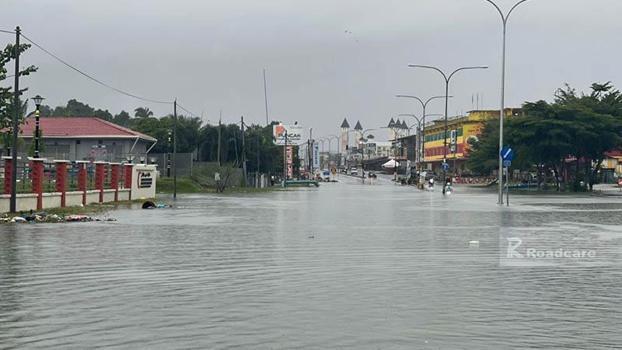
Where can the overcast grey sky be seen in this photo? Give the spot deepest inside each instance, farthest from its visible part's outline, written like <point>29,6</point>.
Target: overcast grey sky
<point>210,54</point>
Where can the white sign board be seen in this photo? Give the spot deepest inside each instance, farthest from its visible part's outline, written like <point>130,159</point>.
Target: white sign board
<point>316,156</point>
<point>143,181</point>
<point>293,133</point>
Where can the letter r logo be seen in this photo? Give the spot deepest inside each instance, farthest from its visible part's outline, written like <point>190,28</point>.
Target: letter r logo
<point>513,244</point>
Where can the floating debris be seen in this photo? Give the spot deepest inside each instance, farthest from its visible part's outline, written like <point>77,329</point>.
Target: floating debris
<point>474,244</point>
<point>50,218</point>
<point>152,205</point>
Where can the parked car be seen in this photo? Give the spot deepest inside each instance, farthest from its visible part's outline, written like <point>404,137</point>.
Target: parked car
<point>354,171</point>
<point>325,175</point>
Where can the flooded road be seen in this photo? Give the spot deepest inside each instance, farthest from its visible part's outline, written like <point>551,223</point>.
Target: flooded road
<point>343,266</point>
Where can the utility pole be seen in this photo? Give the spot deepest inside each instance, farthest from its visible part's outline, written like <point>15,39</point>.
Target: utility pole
<point>219,132</point>
<point>310,151</point>
<point>285,160</point>
<point>265,95</point>
<point>175,149</point>
<point>258,160</point>
<point>13,201</point>
<point>243,151</point>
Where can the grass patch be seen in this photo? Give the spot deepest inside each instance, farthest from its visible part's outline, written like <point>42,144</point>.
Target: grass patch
<point>189,185</point>
<point>184,185</point>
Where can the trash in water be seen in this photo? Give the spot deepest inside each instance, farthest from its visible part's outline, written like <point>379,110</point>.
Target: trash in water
<point>152,205</point>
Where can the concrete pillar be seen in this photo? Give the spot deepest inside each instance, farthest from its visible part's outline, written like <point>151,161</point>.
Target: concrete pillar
<point>100,175</point>
<point>61,180</point>
<point>82,179</point>
<point>127,178</point>
<point>36,164</point>
<point>114,179</point>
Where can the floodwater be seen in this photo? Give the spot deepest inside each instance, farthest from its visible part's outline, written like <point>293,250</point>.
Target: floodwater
<point>345,266</point>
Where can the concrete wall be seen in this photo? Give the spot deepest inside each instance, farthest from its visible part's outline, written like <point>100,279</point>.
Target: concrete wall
<point>28,201</point>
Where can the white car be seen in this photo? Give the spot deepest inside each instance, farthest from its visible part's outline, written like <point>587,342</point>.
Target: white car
<point>354,171</point>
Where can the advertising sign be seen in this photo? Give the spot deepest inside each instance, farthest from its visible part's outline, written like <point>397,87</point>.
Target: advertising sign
<point>293,133</point>
<point>316,156</point>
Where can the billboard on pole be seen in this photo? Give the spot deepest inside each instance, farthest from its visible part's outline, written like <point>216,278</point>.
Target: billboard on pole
<point>294,134</point>
<point>316,156</point>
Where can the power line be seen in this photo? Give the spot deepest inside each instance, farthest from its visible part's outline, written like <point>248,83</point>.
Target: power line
<point>7,31</point>
<point>187,111</point>
<point>93,78</point>
<point>100,82</point>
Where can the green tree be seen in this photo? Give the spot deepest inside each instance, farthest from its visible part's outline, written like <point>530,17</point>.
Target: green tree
<point>123,119</point>
<point>143,112</point>
<point>577,127</point>
<point>7,107</point>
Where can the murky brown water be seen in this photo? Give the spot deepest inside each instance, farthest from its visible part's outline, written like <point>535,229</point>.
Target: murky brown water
<point>342,266</point>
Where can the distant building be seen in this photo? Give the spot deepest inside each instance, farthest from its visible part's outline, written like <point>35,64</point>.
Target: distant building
<point>464,128</point>
<point>407,148</point>
<point>344,139</point>
<point>378,149</point>
<point>86,138</point>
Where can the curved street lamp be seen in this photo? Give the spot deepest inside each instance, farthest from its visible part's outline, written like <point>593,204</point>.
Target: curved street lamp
<point>421,124</point>
<point>504,20</point>
<point>447,78</point>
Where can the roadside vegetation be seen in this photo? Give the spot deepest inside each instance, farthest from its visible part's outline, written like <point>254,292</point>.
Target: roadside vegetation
<point>563,143</point>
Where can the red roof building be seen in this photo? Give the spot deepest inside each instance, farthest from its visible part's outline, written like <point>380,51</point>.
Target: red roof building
<point>85,138</point>
<point>79,127</point>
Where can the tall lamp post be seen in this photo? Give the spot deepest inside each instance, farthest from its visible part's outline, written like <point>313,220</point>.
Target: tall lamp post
<point>38,100</point>
<point>447,81</point>
<point>424,105</point>
<point>421,125</point>
<point>504,20</point>
<point>362,141</point>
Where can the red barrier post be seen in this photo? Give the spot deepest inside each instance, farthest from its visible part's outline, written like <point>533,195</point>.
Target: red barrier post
<point>82,179</point>
<point>114,179</point>
<point>61,181</point>
<point>100,174</point>
<point>8,174</point>
<point>37,180</point>
<point>127,183</point>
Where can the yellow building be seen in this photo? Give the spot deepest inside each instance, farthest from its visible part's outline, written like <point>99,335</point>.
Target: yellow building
<point>461,128</point>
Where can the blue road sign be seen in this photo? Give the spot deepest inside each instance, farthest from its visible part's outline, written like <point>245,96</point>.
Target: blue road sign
<point>445,166</point>
<point>507,153</point>
<point>507,163</point>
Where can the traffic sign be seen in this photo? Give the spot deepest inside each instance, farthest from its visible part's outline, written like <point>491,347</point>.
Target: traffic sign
<point>507,163</point>
<point>507,153</point>
<point>445,166</point>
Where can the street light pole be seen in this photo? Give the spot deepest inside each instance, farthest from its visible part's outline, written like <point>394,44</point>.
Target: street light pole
<point>38,100</point>
<point>504,20</point>
<point>424,105</point>
<point>361,141</point>
<point>175,150</point>
<point>418,138</point>
<point>447,81</point>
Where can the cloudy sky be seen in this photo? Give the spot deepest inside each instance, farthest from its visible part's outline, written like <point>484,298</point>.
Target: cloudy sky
<point>325,59</point>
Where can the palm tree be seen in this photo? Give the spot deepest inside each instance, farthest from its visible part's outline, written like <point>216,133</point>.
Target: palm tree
<point>143,112</point>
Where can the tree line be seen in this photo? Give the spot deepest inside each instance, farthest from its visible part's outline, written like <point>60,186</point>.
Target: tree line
<point>563,142</point>
<point>211,143</point>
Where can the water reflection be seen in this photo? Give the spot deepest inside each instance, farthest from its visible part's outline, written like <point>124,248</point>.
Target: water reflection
<point>343,266</point>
